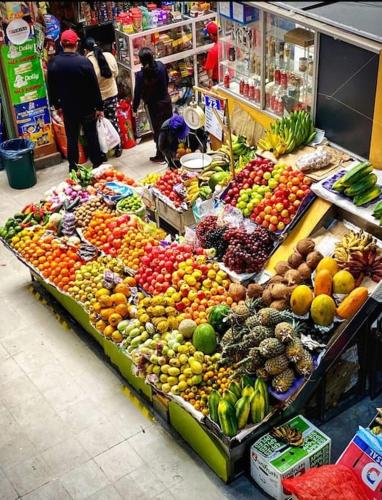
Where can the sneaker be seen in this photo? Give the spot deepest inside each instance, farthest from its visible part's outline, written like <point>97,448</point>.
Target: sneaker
<point>118,153</point>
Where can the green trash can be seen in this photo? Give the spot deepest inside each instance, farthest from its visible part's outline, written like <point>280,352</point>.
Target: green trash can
<point>18,161</point>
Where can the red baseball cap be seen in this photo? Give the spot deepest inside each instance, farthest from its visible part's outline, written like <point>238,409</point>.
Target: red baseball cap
<point>69,37</point>
<point>212,28</point>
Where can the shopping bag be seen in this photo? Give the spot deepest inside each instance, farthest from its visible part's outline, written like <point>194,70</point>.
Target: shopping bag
<point>108,137</point>
<point>125,122</point>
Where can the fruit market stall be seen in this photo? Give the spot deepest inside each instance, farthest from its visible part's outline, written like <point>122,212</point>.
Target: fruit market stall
<point>223,361</point>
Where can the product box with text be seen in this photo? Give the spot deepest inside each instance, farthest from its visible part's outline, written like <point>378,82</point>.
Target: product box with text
<point>273,461</point>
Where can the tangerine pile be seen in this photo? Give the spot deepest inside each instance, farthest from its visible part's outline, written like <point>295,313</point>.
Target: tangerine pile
<point>56,261</point>
<point>110,175</point>
<point>136,244</point>
<point>106,231</point>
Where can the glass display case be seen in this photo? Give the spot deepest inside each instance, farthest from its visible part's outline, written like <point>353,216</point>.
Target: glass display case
<point>181,46</point>
<point>269,62</point>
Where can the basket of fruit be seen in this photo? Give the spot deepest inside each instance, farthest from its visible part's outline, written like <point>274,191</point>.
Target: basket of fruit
<point>131,205</point>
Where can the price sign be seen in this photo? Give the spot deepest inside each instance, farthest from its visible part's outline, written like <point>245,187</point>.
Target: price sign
<point>213,125</point>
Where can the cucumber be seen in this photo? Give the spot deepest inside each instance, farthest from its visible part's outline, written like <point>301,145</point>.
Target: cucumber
<point>242,410</point>
<point>357,172</point>
<point>213,403</point>
<point>227,418</point>
<point>362,185</point>
<point>367,196</point>
<point>339,185</point>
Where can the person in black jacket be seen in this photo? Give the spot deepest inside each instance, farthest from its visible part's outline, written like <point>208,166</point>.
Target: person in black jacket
<point>171,132</point>
<point>151,85</point>
<point>73,88</point>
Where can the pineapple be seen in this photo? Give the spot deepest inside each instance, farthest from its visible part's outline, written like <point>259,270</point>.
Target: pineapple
<point>304,365</point>
<point>240,312</point>
<point>261,333</point>
<point>268,316</point>
<point>262,373</point>
<point>284,332</point>
<point>252,321</point>
<point>283,381</point>
<point>270,348</point>
<point>227,338</point>
<point>295,350</point>
<point>252,362</point>
<point>276,365</point>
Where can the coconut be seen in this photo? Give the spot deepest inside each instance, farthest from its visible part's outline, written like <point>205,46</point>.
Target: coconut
<point>295,260</point>
<point>305,246</point>
<point>279,291</point>
<point>266,297</point>
<point>305,271</point>
<point>282,267</point>
<point>254,290</point>
<point>280,305</point>
<point>293,277</point>
<point>313,259</point>
<point>237,292</point>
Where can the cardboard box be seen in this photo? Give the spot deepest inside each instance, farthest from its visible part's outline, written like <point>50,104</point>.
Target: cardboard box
<point>271,461</point>
<point>366,463</point>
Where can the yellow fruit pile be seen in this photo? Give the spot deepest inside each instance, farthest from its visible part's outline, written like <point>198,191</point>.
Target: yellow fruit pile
<point>134,243</point>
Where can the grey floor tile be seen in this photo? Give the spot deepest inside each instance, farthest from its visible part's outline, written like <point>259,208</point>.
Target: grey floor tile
<point>50,491</point>
<point>99,438</point>
<point>9,371</point>
<point>4,354</point>
<point>118,461</point>
<point>7,491</point>
<point>140,484</point>
<point>20,391</point>
<point>63,395</point>
<point>65,456</point>
<point>32,410</point>
<point>84,480</point>
<point>107,493</point>
<point>82,415</point>
<point>16,449</point>
<point>47,432</point>
<point>28,475</point>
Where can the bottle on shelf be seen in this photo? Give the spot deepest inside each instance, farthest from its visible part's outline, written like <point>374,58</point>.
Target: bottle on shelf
<point>251,91</point>
<point>257,91</point>
<point>246,88</point>
<point>227,80</point>
<point>241,86</point>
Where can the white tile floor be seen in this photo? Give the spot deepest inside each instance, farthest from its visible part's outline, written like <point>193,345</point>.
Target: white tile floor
<point>67,430</point>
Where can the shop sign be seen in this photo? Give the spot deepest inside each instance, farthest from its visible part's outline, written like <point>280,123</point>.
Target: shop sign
<point>34,122</point>
<point>18,31</point>
<point>24,72</point>
<point>212,124</point>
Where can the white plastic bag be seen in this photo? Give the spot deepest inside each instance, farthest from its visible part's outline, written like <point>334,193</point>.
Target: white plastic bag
<point>108,137</point>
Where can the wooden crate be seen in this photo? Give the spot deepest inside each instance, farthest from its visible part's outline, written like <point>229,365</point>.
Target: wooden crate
<point>178,220</point>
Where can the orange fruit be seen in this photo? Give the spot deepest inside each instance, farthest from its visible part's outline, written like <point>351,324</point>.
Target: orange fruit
<point>105,313</point>
<point>122,309</point>
<point>122,288</point>
<point>102,291</point>
<point>114,319</point>
<point>100,325</point>
<point>105,301</point>
<point>117,336</point>
<point>108,331</point>
<point>118,298</point>
<point>130,281</point>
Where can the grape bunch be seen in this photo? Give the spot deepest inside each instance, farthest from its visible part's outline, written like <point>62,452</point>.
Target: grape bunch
<point>247,252</point>
<point>208,224</point>
<point>215,239</point>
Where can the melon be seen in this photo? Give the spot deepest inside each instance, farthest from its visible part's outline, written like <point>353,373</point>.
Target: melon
<point>204,338</point>
<point>187,328</point>
<point>218,318</point>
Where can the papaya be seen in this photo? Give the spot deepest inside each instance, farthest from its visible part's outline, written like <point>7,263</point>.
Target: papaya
<point>242,410</point>
<point>323,282</point>
<point>235,388</point>
<point>230,397</point>
<point>262,387</point>
<point>322,310</point>
<point>301,299</point>
<point>329,264</point>
<point>248,391</point>
<point>227,418</point>
<point>213,403</point>
<point>343,282</point>
<point>353,302</point>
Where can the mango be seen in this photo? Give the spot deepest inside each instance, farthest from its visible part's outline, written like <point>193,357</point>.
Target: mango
<point>329,264</point>
<point>301,300</point>
<point>322,310</point>
<point>343,282</point>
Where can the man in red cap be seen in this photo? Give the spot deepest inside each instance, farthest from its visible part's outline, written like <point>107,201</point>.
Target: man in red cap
<point>212,62</point>
<point>73,88</point>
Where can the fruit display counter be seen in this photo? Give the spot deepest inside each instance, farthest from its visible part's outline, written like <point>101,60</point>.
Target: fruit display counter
<point>222,362</point>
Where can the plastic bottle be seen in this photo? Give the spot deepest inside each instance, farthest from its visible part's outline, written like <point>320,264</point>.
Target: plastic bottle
<point>227,80</point>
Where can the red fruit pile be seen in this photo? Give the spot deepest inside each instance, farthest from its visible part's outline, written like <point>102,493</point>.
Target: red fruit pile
<point>166,185</point>
<point>277,209</point>
<point>158,264</point>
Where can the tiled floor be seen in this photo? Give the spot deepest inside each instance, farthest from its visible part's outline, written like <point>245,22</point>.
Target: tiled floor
<point>67,429</point>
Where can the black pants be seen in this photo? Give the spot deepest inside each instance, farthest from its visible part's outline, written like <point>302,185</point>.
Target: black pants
<point>72,128</point>
<point>159,113</point>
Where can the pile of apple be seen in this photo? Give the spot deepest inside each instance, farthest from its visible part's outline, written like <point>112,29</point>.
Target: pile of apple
<point>269,194</point>
<point>171,184</point>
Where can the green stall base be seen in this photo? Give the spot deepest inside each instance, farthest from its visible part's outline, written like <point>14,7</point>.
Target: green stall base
<point>125,367</point>
<point>205,445</point>
<point>75,310</point>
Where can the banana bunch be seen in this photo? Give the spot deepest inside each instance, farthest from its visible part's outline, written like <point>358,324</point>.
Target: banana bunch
<point>239,146</point>
<point>287,134</point>
<point>220,161</point>
<point>288,435</point>
<point>353,242</point>
<point>218,164</point>
<point>192,189</point>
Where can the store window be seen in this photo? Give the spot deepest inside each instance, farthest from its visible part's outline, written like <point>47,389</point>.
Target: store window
<point>240,58</point>
<point>289,66</point>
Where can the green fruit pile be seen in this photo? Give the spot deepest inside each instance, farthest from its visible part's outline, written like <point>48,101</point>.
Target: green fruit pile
<point>132,203</point>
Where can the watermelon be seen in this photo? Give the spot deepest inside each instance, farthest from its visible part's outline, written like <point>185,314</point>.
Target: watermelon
<point>204,338</point>
<point>218,318</point>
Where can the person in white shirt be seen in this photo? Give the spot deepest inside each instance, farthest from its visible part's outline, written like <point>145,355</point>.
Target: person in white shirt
<point>106,69</point>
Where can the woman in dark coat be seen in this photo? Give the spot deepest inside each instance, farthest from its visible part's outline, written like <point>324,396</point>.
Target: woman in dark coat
<point>151,85</point>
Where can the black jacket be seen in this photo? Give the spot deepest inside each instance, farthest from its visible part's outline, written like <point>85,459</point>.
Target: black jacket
<point>73,85</point>
<point>151,90</point>
<point>168,143</point>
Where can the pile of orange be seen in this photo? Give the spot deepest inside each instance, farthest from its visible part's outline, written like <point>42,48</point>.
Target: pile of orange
<point>111,174</point>
<point>56,261</point>
<point>111,307</point>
